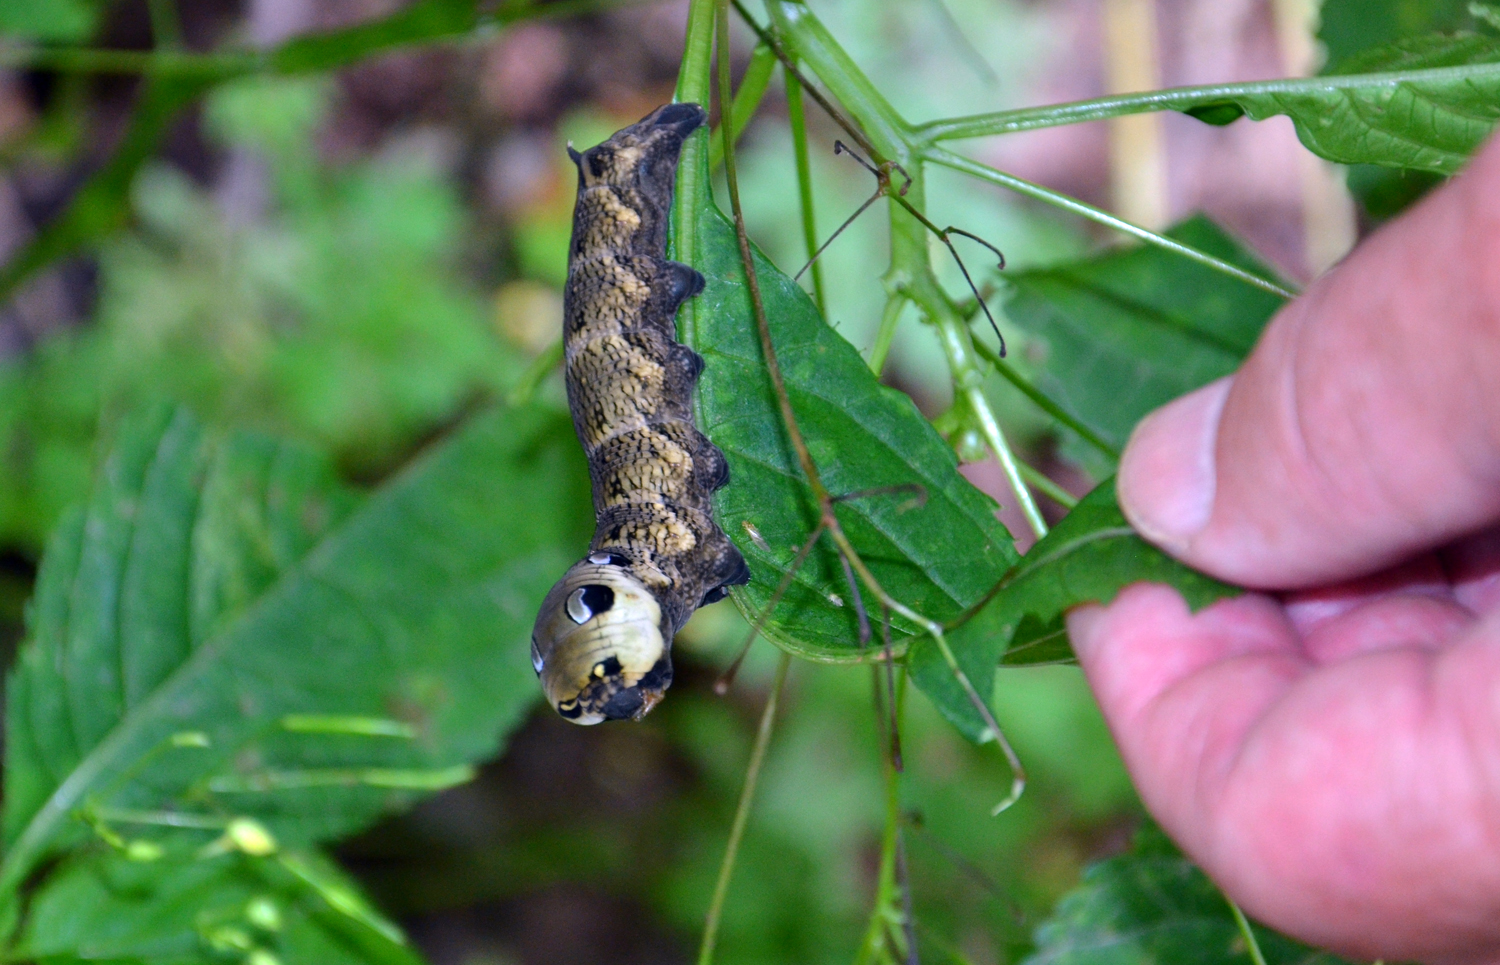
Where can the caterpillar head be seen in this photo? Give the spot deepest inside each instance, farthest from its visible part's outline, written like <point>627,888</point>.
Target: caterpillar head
<point>646,150</point>
<point>598,645</point>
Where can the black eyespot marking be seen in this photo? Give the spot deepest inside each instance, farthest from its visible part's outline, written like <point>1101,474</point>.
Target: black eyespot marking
<point>608,559</point>
<point>596,163</point>
<point>571,709</point>
<point>608,667</point>
<point>598,598</point>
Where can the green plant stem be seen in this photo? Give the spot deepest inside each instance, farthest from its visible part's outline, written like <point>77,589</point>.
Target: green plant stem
<point>155,63</point>
<point>964,165</point>
<point>692,186</point>
<point>1039,481</point>
<point>1043,401</point>
<point>958,346</point>
<point>742,813</point>
<point>888,907</point>
<point>752,90</point>
<point>895,304</point>
<point>1178,99</point>
<point>422,23</point>
<point>752,283</point>
<point>812,44</point>
<point>1252,947</point>
<point>796,117</point>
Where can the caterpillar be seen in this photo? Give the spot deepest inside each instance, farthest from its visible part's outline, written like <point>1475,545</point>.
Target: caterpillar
<point>603,638</point>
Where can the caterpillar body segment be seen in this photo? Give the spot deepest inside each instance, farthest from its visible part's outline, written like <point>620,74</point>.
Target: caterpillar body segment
<point>603,639</point>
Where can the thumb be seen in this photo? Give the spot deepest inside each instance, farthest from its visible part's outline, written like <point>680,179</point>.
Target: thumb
<point>1362,429</point>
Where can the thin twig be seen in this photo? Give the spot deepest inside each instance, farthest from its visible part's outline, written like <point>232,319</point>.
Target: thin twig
<point>1252,947</point>
<point>742,813</point>
<point>726,679</point>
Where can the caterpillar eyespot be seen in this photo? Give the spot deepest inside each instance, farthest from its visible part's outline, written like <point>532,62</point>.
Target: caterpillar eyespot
<point>603,639</point>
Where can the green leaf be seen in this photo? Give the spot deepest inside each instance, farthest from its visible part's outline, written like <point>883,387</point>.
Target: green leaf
<point>49,21</point>
<point>1151,904</point>
<point>1127,331</point>
<point>205,601</point>
<point>1089,557</point>
<point>1349,27</point>
<point>938,558</point>
<point>1423,103</point>
<point>100,906</point>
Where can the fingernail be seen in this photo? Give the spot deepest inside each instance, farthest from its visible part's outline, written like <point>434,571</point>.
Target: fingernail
<point>1166,482</point>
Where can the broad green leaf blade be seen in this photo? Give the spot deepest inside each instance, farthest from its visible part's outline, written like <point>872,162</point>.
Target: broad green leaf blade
<point>1130,330</point>
<point>99,906</point>
<point>938,558</point>
<point>1087,558</point>
<point>1151,904</point>
<point>1425,103</point>
<point>182,532</point>
<point>414,611</point>
<point>49,21</point>
<point>1349,27</point>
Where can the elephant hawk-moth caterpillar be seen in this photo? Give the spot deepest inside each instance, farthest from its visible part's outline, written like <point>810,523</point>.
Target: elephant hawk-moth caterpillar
<point>603,639</point>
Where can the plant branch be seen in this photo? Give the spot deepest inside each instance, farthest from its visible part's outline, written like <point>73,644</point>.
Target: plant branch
<point>1178,99</point>
<point>752,90</point>
<point>742,813</point>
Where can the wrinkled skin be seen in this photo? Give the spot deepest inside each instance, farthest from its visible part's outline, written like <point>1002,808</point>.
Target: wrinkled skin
<point>1328,749</point>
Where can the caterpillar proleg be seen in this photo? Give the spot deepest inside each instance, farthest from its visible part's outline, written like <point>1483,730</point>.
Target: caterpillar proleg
<point>602,644</point>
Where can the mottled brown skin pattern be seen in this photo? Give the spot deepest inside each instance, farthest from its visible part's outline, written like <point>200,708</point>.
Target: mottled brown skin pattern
<point>630,388</point>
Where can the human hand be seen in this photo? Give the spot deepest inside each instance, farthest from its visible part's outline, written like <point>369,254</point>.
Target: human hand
<point>1331,755</point>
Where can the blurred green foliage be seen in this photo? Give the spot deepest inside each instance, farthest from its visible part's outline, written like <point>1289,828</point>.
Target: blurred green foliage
<point>342,317</point>
<point>222,574</point>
